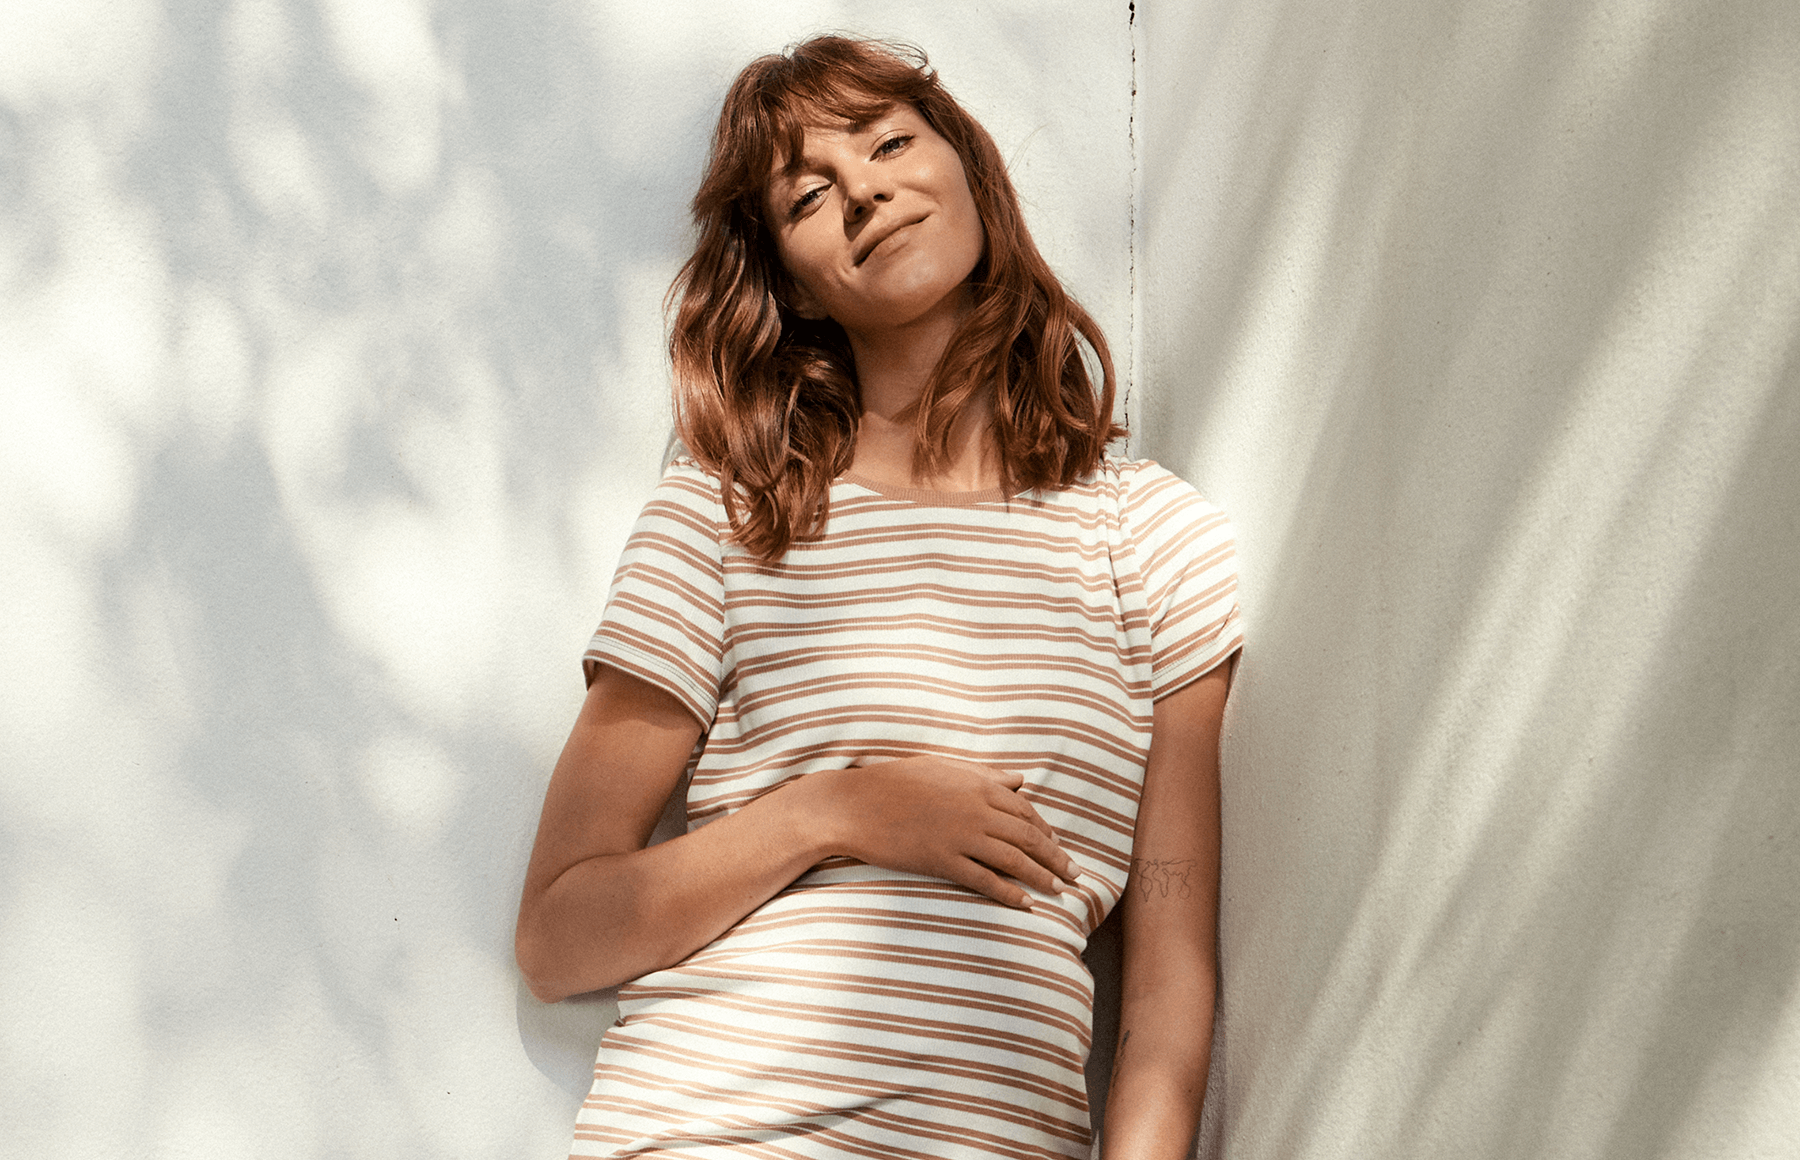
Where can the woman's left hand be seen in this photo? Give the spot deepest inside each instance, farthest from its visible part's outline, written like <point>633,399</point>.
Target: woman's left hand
<point>959,820</point>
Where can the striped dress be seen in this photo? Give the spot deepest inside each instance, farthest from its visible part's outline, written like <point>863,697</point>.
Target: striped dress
<point>862,1012</point>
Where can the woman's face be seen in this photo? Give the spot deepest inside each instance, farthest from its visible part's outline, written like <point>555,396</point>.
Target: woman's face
<point>876,225</point>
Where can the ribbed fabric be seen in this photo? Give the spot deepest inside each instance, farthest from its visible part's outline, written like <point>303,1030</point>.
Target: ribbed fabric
<point>864,1012</point>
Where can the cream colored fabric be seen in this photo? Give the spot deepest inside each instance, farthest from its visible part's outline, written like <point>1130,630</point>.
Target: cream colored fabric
<point>863,1012</point>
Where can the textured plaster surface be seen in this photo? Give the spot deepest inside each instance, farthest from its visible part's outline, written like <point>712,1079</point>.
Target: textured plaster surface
<point>1483,321</point>
<point>331,378</point>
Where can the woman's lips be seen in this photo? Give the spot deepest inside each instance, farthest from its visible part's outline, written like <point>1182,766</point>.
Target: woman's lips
<point>862,254</point>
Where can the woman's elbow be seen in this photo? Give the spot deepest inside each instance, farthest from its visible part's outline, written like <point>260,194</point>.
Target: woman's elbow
<point>554,969</point>
<point>544,963</point>
<point>544,989</point>
<point>535,964</point>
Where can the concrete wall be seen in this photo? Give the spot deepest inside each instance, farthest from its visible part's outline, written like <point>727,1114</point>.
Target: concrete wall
<point>1483,320</point>
<point>331,378</point>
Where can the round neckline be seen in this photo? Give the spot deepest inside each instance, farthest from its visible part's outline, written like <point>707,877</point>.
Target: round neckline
<point>923,495</point>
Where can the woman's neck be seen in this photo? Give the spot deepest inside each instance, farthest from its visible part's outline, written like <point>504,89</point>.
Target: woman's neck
<point>885,449</point>
<point>893,369</point>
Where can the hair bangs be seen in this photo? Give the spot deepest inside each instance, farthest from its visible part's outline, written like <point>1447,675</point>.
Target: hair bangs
<point>823,82</point>
<point>769,399</point>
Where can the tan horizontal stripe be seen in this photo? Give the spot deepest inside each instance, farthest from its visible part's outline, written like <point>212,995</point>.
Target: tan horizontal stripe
<point>677,517</point>
<point>1212,584</point>
<point>646,584</point>
<point>751,608</point>
<point>1015,539</point>
<point>1042,549</point>
<point>1215,601</point>
<point>1017,1076</point>
<point>704,1093</point>
<point>1150,520</point>
<point>1142,486</point>
<point>705,490</point>
<point>666,544</point>
<point>740,635</point>
<point>944,892</point>
<point>1179,557</point>
<point>1085,667</point>
<point>760,922</point>
<point>1076,507</point>
<point>1107,708</point>
<point>630,615</point>
<point>860,504</point>
<point>963,1102</point>
<point>710,1096</point>
<point>716,789</point>
<point>1196,519</point>
<point>701,1064</point>
<point>1053,914</point>
<point>1208,664</point>
<point>924,960</point>
<point>1205,639</point>
<point>1091,854</point>
<point>842,753</point>
<point>629,642</point>
<point>1040,564</point>
<point>740,1144</point>
<point>1087,809</point>
<point>869,717</point>
<point>890,1022</point>
<point>712,791</point>
<point>1105,780</point>
<point>940,996</point>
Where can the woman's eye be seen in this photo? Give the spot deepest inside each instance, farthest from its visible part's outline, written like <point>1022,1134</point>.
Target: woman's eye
<point>805,199</point>
<point>892,145</point>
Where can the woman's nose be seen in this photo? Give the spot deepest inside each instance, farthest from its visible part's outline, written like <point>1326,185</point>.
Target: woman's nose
<point>863,192</point>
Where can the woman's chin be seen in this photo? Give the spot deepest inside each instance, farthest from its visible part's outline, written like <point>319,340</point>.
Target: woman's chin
<point>907,306</point>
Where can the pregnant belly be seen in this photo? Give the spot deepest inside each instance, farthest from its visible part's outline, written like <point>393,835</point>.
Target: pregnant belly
<point>883,997</point>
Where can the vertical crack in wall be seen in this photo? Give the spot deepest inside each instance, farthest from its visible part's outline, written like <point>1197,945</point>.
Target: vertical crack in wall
<point>1131,310</point>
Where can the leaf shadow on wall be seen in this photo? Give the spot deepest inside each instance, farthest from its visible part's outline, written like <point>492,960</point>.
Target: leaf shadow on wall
<point>400,283</point>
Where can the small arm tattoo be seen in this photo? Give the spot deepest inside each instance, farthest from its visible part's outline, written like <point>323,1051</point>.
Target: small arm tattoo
<point>1163,877</point>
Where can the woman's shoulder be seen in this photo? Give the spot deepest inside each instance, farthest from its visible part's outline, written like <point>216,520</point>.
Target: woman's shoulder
<point>1156,505</point>
<point>1145,482</point>
<point>686,479</point>
<point>686,504</point>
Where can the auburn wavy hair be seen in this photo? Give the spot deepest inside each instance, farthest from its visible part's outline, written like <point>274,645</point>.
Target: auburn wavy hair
<point>768,399</point>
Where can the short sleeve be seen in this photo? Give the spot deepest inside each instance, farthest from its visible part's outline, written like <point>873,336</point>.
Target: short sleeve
<point>1188,562</point>
<point>665,613</point>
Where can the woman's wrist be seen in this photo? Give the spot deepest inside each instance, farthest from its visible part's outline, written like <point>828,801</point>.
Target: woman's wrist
<point>802,815</point>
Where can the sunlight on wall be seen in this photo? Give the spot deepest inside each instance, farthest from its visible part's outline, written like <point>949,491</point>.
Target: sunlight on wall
<point>331,380</point>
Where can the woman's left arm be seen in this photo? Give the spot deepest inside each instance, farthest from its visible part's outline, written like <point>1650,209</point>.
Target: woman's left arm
<point>1171,909</point>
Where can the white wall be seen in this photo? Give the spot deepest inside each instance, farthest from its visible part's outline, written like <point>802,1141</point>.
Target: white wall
<point>1483,320</point>
<point>331,378</point>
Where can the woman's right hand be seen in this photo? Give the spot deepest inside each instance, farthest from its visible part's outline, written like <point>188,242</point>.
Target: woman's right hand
<point>944,817</point>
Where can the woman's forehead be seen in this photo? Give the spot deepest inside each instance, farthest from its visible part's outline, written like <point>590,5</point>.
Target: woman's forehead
<point>788,152</point>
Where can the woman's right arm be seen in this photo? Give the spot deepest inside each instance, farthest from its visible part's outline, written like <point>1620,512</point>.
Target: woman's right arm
<point>601,907</point>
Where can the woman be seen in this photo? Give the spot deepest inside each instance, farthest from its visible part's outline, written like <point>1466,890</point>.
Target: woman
<point>910,633</point>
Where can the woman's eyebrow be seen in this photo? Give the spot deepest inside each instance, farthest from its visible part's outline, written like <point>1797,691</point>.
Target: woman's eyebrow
<point>807,162</point>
